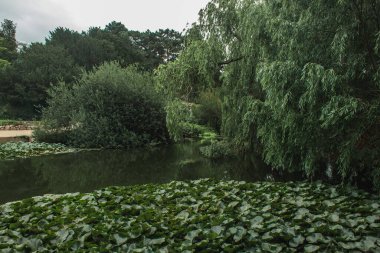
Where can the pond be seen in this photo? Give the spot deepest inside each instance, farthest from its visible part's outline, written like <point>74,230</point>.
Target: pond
<point>89,170</point>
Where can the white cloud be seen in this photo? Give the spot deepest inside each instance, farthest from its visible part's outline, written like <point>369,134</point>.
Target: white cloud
<point>35,18</point>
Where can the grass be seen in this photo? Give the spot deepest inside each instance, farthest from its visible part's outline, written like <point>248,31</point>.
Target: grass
<point>196,216</point>
<point>5,122</point>
<point>14,150</point>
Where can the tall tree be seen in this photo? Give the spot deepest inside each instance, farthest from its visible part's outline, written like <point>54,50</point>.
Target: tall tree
<point>3,49</point>
<point>25,82</point>
<point>300,81</point>
<point>158,47</point>
<point>8,33</point>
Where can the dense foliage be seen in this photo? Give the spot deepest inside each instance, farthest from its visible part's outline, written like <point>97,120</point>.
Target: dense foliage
<point>25,82</point>
<point>116,43</point>
<point>8,44</point>
<point>3,61</point>
<point>32,69</point>
<point>110,106</point>
<point>300,81</point>
<point>196,216</point>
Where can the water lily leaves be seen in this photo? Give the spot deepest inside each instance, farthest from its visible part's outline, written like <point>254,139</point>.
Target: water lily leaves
<point>273,248</point>
<point>156,241</point>
<point>334,217</point>
<point>352,223</point>
<point>311,248</point>
<point>296,241</point>
<point>217,229</point>
<point>233,204</point>
<point>25,218</point>
<point>257,222</point>
<point>63,235</point>
<point>369,243</point>
<point>266,208</point>
<point>119,239</point>
<point>301,213</point>
<point>192,234</point>
<point>34,243</point>
<point>245,207</point>
<point>349,245</point>
<point>179,217</point>
<point>238,233</point>
<point>183,215</point>
<point>13,150</point>
<point>372,218</point>
<point>315,237</point>
<point>328,203</point>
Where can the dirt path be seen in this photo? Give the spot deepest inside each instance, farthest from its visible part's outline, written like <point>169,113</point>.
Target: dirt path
<point>15,133</point>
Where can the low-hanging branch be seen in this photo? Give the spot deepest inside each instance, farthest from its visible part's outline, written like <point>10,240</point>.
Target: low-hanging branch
<point>230,61</point>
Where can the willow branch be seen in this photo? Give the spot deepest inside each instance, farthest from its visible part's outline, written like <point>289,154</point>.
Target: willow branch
<point>230,61</point>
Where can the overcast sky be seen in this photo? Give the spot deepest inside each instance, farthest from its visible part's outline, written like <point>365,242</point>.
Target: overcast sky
<point>35,18</point>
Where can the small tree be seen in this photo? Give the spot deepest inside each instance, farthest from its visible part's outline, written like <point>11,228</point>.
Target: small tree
<point>109,107</point>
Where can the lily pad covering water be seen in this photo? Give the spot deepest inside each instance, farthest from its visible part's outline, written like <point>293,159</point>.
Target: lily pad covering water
<point>201,216</point>
<point>13,150</point>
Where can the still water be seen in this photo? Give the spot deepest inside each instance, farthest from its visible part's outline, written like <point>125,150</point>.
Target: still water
<point>89,170</point>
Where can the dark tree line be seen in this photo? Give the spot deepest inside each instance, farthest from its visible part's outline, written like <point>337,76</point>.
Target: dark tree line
<point>27,74</point>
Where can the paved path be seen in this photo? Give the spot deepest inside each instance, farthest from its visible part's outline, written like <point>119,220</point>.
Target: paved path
<point>15,133</point>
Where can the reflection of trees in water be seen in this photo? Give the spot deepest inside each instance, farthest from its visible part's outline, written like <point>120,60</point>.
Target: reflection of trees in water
<point>86,171</point>
<point>96,169</point>
<point>18,179</point>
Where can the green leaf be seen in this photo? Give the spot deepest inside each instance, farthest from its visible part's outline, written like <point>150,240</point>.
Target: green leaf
<point>334,217</point>
<point>296,241</point>
<point>156,241</point>
<point>311,248</point>
<point>119,239</point>
<point>217,229</point>
<point>273,248</point>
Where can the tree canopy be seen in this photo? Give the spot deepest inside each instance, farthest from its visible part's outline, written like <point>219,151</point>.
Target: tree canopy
<point>65,53</point>
<point>300,81</point>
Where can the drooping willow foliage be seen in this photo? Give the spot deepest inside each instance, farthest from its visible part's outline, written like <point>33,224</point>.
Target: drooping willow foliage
<point>300,81</point>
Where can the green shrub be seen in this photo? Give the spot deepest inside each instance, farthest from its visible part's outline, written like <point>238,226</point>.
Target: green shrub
<point>217,150</point>
<point>209,111</point>
<point>180,120</point>
<point>108,107</point>
<point>51,136</point>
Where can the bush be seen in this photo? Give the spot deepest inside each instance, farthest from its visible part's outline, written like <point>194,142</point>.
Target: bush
<point>108,107</point>
<point>209,111</point>
<point>183,124</point>
<point>180,120</point>
<point>51,136</point>
<point>217,149</point>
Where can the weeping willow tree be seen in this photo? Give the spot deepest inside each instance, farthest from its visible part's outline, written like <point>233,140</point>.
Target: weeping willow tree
<point>300,81</point>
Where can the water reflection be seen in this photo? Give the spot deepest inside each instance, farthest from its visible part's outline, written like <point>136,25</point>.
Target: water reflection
<point>87,171</point>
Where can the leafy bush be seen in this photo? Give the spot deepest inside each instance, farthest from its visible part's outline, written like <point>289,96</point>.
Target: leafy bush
<point>209,111</point>
<point>217,149</point>
<point>108,107</point>
<point>180,120</point>
<point>51,136</point>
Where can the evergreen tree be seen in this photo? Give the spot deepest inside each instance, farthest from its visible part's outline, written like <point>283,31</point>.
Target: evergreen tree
<point>8,35</point>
